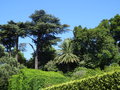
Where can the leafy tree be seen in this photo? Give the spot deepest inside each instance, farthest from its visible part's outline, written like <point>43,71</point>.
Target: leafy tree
<point>115,28</point>
<point>104,24</point>
<point>10,34</point>
<point>113,25</point>
<point>7,38</point>
<point>43,28</point>
<point>95,47</point>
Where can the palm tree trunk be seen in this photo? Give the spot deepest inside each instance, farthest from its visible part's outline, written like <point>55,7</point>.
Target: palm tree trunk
<point>68,67</point>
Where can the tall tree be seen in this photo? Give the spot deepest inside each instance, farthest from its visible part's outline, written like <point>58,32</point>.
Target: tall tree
<point>18,31</point>
<point>95,47</point>
<point>115,28</point>
<point>10,34</point>
<point>113,25</point>
<point>43,28</point>
<point>7,39</point>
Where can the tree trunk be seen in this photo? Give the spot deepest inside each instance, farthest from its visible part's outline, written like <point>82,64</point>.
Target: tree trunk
<point>17,47</point>
<point>36,55</point>
<point>37,51</point>
<point>36,59</point>
<point>68,67</point>
<point>10,52</point>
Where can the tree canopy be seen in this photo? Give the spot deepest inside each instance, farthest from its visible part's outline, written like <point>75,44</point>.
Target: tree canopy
<point>43,28</point>
<point>95,47</point>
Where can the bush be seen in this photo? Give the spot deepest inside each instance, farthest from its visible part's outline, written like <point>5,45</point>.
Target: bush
<point>51,66</point>
<point>82,72</point>
<point>8,67</point>
<point>2,51</point>
<point>30,79</point>
<point>107,81</point>
<point>112,67</point>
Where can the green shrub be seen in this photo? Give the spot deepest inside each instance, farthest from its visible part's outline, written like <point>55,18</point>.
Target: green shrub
<point>82,72</point>
<point>107,81</point>
<point>8,67</point>
<point>51,66</point>
<point>30,79</point>
<point>112,67</point>
<point>2,51</point>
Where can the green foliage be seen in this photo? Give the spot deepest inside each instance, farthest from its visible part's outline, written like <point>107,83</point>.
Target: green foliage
<point>8,67</point>
<point>30,79</point>
<point>112,67</point>
<point>10,32</point>
<point>107,81</point>
<point>30,63</point>
<point>2,51</point>
<point>47,54</point>
<point>51,66</point>
<point>95,47</point>
<point>115,28</point>
<point>82,72</point>
<point>7,36</point>
<point>113,25</point>
<point>21,58</point>
<point>65,55</point>
<point>44,28</point>
<point>90,48</point>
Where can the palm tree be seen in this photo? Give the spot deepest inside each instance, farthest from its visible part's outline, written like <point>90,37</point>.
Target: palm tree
<point>66,55</point>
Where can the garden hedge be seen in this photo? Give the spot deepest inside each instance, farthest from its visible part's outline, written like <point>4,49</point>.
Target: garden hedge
<point>31,79</point>
<point>107,81</point>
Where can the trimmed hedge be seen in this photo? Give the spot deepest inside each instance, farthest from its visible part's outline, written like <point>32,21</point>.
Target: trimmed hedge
<point>107,81</point>
<point>31,79</point>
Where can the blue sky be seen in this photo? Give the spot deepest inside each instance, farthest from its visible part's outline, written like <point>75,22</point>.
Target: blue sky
<point>87,13</point>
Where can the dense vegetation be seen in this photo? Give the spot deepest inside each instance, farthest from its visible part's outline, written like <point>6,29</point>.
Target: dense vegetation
<point>8,67</point>
<point>108,81</point>
<point>29,79</point>
<point>91,52</point>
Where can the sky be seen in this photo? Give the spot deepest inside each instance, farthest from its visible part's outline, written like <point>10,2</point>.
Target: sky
<point>87,13</point>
